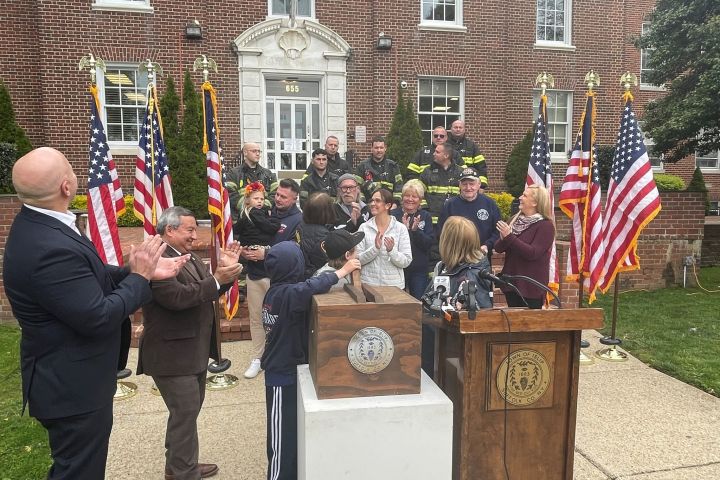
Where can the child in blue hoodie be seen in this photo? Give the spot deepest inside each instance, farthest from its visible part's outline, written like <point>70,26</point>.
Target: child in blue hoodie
<point>285,318</point>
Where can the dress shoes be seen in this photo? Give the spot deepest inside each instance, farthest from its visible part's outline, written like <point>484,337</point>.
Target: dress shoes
<point>206,470</point>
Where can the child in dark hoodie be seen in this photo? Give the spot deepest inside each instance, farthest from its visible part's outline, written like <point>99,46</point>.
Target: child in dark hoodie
<point>285,318</point>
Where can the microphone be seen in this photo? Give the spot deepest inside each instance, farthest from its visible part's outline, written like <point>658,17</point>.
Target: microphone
<point>434,300</point>
<point>485,274</point>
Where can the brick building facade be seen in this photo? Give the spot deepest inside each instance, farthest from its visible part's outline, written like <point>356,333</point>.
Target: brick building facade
<point>470,59</point>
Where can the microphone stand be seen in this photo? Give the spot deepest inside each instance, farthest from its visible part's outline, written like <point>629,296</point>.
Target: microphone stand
<point>534,282</point>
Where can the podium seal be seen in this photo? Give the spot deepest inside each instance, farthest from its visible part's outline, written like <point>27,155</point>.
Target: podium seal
<point>528,377</point>
<point>370,350</point>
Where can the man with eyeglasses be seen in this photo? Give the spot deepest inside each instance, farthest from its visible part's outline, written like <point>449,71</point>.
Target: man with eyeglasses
<point>350,210</point>
<point>424,157</point>
<point>247,172</point>
<point>468,150</point>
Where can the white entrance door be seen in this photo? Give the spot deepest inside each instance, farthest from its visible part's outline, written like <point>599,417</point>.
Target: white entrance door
<point>292,133</point>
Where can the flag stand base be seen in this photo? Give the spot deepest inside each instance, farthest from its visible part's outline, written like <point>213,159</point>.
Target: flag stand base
<point>221,381</point>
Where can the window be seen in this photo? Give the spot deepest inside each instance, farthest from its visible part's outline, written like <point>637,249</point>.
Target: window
<point>553,22</point>
<point>123,92</point>
<point>281,8</point>
<point>709,161</point>
<point>559,121</point>
<point>656,160</point>
<point>123,5</point>
<point>645,59</point>
<point>440,102</point>
<point>443,14</point>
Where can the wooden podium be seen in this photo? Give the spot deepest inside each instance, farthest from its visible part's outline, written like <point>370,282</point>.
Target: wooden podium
<point>534,430</point>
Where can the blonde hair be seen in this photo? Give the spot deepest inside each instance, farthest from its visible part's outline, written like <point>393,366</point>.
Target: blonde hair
<point>459,242</point>
<point>542,197</point>
<point>416,186</point>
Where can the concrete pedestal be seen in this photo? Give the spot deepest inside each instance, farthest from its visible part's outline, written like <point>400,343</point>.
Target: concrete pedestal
<point>383,438</point>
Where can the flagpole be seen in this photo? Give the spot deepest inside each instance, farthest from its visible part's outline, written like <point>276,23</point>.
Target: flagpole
<point>89,62</point>
<point>592,79</point>
<point>219,380</point>
<point>611,353</point>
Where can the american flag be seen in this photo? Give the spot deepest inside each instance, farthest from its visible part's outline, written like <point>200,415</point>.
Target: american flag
<point>632,201</point>
<point>540,173</point>
<point>152,174</point>
<point>105,198</point>
<point>218,198</point>
<point>580,200</point>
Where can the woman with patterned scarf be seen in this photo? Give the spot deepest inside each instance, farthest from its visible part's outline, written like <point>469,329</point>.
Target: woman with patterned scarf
<point>527,241</point>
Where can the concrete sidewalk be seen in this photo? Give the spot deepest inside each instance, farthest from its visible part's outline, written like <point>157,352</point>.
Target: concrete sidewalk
<point>633,423</point>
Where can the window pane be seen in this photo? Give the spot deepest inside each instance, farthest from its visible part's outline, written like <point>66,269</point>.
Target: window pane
<point>301,161</point>
<point>438,107</point>
<point>125,99</point>
<point>315,121</point>
<point>271,160</point>
<point>427,11</point>
<point>270,119</point>
<point>300,121</point>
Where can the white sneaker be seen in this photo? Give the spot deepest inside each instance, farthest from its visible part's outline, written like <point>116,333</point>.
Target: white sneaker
<point>253,369</point>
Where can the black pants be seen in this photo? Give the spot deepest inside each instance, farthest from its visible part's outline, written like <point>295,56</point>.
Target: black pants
<point>515,300</point>
<point>79,444</point>
<point>281,403</point>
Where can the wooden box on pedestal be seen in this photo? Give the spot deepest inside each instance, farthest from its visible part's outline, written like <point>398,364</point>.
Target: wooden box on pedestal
<point>362,349</point>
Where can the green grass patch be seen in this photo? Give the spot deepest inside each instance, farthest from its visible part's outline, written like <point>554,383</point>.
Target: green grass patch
<point>674,330</point>
<point>24,449</point>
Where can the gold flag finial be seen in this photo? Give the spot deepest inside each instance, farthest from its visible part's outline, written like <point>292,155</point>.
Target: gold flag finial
<point>91,63</point>
<point>592,80</point>
<point>153,69</point>
<point>206,64</point>
<point>544,80</point>
<point>628,80</point>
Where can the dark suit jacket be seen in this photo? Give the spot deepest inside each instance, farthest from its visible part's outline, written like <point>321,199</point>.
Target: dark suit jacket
<point>72,309</point>
<point>178,338</point>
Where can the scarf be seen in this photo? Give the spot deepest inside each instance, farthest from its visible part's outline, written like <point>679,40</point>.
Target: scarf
<point>521,222</point>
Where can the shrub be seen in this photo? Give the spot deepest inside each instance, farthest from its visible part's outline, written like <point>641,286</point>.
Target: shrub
<point>517,165</point>
<point>504,201</point>
<point>8,155</point>
<point>405,136</point>
<point>128,219</point>
<point>669,183</point>
<point>10,131</point>
<point>697,184</point>
<point>603,157</point>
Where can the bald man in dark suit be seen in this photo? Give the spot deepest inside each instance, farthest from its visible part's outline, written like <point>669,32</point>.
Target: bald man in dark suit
<point>179,338</point>
<point>72,309</point>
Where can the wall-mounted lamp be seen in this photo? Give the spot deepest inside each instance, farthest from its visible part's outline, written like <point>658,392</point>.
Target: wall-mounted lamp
<point>193,31</point>
<point>384,42</point>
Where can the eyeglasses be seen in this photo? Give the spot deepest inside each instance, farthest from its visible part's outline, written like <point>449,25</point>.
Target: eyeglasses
<point>438,135</point>
<point>257,150</point>
<point>348,188</point>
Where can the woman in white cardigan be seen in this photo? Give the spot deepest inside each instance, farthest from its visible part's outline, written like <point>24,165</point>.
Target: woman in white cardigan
<point>385,250</point>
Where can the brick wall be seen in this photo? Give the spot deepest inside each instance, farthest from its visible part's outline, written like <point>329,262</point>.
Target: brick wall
<point>9,207</point>
<point>496,58</point>
<point>711,245</point>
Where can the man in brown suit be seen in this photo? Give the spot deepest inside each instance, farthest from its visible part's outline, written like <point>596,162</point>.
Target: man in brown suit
<point>178,339</point>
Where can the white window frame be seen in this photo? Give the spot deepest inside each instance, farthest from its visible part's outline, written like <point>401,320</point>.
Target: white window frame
<point>566,43</point>
<point>715,169</point>
<point>443,25</point>
<point>649,144</point>
<point>135,6</point>
<point>272,15</point>
<point>646,25</point>
<point>461,101</point>
<point>117,147</point>
<point>560,156</point>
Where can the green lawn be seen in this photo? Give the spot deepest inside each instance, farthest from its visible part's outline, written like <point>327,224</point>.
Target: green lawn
<point>24,451</point>
<point>674,330</point>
